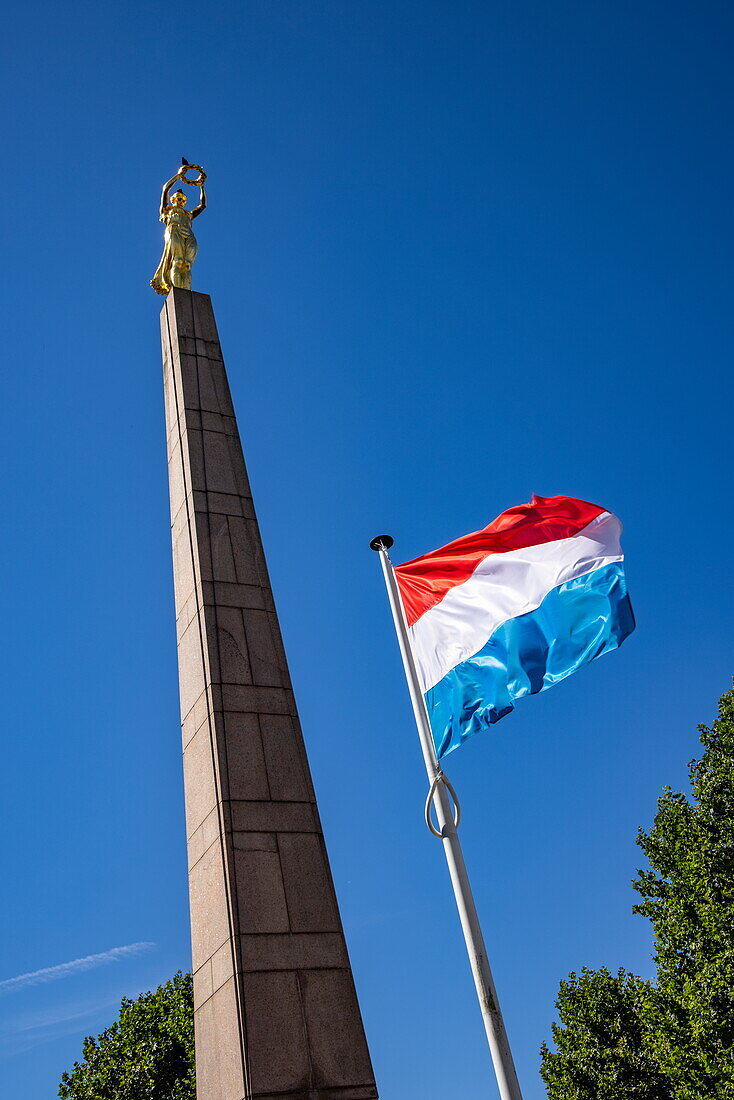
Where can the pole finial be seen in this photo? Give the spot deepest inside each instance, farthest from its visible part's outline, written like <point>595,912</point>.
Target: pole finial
<point>381,542</point>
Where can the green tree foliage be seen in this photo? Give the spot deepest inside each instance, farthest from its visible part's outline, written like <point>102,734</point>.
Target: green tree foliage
<point>676,1033</point>
<point>148,1054</point>
<point>688,895</point>
<point>600,1044</point>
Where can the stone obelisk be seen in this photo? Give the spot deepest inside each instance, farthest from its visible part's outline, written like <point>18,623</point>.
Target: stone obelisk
<point>276,1013</point>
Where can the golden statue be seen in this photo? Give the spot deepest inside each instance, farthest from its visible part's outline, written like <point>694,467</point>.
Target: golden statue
<point>180,247</point>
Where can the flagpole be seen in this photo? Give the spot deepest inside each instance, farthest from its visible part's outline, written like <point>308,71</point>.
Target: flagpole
<point>448,820</point>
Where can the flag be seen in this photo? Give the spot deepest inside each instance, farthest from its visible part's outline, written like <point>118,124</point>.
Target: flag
<point>512,609</point>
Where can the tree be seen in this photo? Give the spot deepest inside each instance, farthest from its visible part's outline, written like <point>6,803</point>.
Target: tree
<point>148,1054</point>
<point>688,895</point>
<point>601,1049</point>
<point>676,1033</point>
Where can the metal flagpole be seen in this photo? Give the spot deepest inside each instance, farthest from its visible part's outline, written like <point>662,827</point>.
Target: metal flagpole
<point>448,821</point>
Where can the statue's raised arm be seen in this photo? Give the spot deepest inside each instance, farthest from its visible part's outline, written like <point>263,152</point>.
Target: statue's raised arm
<point>180,246</point>
<point>165,193</point>
<point>202,198</point>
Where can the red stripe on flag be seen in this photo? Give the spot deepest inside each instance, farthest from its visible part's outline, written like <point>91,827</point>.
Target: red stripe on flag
<point>425,581</point>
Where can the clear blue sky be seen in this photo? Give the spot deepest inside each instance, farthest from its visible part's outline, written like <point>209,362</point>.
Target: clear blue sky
<point>459,253</point>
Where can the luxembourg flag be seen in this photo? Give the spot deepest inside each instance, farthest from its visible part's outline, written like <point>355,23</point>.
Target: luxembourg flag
<point>513,609</point>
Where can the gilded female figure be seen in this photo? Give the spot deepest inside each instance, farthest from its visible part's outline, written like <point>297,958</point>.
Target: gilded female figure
<point>180,245</point>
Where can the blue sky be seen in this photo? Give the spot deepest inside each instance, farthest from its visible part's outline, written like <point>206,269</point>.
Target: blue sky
<point>459,253</point>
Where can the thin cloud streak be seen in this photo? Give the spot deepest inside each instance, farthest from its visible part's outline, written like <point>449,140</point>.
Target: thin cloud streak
<point>33,1031</point>
<point>76,966</point>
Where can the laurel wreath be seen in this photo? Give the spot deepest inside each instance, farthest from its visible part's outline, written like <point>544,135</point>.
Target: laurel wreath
<point>199,179</point>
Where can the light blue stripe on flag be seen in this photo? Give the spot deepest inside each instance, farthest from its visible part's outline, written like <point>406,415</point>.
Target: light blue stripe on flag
<point>576,622</point>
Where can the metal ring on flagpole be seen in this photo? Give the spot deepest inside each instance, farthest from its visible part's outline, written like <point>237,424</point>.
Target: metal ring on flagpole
<point>441,778</point>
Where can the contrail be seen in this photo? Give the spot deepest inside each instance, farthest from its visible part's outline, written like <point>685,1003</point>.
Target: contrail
<point>76,966</point>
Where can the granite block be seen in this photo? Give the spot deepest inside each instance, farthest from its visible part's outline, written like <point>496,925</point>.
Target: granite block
<point>234,661</point>
<point>279,1057</point>
<point>192,420</point>
<point>258,700</point>
<point>312,951</point>
<point>214,393</point>
<point>261,897</point>
<point>237,464</point>
<point>196,716</point>
<point>285,760</point>
<point>205,326</point>
<point>267,657</point>
<point>220,565</point>
<point>227,594</point>
<point>183,567</point>
<point>333,1021</point>
<point>311,901</point>
<point>208,893</point>
<point>219,1042</point>
<point>210,832</point>
<point>186,381</point>
<point>273,817</point>
<point>180,312</point>
<point>200,780</point>
<point>226,504</point>
<point>203,986</point>
<point>192,674</point>
<point>222,965</point>
<point>176,486</point>
<point>221,475</point>
<point>248,777</point>
<point>246,551</point>
<point>195,460</point>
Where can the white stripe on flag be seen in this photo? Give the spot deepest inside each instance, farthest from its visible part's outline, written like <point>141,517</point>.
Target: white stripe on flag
<point>502,587</point>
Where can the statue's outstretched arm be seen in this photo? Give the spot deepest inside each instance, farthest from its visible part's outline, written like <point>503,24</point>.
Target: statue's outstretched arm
<point>202,203</point>
<point>164,193</point>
